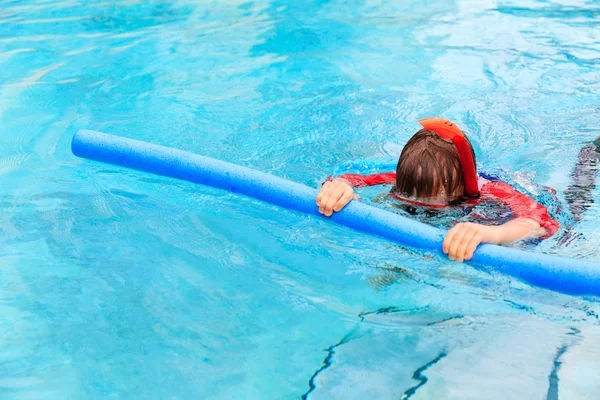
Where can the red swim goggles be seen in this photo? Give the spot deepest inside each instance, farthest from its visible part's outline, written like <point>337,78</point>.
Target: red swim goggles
<point>448,130</point>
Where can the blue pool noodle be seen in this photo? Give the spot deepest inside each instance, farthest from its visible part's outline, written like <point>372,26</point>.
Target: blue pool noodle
<point>551,272</point>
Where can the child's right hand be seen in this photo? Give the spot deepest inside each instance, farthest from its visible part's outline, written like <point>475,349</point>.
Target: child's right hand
<point>334,195</point>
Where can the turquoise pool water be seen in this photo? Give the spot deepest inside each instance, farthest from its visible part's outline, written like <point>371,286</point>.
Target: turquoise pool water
<point>117,284</point>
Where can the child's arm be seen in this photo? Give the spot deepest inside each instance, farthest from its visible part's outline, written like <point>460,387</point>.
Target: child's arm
<point>382,178</point>
<point>521,205</point>
<point>531,221</point>
<point>462,240</point>
<point>336,193</point>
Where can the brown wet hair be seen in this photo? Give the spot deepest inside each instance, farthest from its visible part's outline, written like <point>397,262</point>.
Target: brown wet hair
<point>429,168</point>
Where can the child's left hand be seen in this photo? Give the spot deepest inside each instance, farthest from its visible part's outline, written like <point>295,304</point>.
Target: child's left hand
<point>462,240</point>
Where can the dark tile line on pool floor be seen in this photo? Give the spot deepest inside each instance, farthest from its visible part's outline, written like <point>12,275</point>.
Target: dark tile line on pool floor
<point>553,377</point>
<point>417,375</point>
<point>326,363</point>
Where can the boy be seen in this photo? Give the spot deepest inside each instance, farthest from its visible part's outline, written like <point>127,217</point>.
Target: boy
<point>437,169</point>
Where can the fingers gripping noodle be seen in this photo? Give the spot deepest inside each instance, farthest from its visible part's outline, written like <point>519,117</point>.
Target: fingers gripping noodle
<point>550,272</point>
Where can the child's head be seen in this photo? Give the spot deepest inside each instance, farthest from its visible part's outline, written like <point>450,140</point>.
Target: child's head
<point>429,170</point>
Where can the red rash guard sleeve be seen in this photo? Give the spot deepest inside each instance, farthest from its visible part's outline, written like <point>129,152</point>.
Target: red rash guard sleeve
<point>386,178</point>
<point>521,205</point>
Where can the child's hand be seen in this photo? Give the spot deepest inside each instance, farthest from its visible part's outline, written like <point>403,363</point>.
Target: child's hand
<point>462,240</point>
<point>334,195</point>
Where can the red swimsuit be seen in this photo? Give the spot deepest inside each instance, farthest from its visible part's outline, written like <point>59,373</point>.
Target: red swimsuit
<point>521,205</point>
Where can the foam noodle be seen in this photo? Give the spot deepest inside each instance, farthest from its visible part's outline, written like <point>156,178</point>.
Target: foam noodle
<point>556,273</point>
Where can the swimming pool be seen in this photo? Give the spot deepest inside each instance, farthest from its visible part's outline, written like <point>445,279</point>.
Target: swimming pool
<point>120,284</point>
